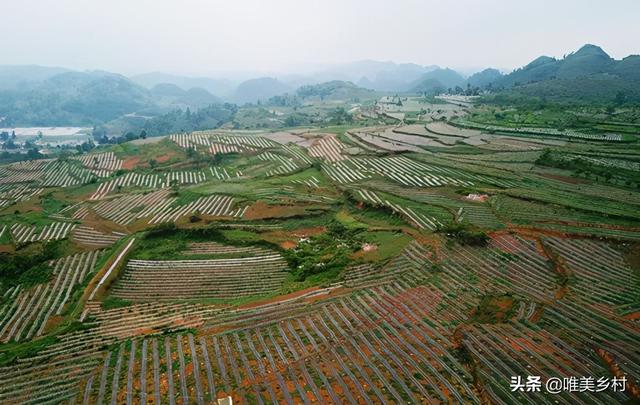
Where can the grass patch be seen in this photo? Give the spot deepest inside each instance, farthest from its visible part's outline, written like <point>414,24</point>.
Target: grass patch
<point>115,302</point>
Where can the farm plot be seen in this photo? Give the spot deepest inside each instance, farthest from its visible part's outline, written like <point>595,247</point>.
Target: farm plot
<point>504,351</point>
<point>599,273</point>
<point>65,173</point>
<point>24,172</point>
<point>553,132</point>
<point>368,348</point>
<point>521,161</point>
<point>101,164</point>
<point>581,199</point>
<point>421,221</point>
<point>130,179</point>
<point>32,233</point>
<point>288,194</point>
<point>148,280</point>
<point>46,173</point>
<point>26,314</point>
<point>126,209</point>
<point>221,173</point>
<point>409,265</point>
<point>393,142</point>
<point>604,161</point>
<point>404,171</point>
<point>185,177</point>
<point>218,143</point>
<point>88,236</point>
<point>344,173</point>
<point>282,165</point>
<point>127,322</point>
<point>442,128</point>
<point>311,182</point>
<point>420,136</point>
<point>502,143</point>
<point>478,214</point>
<point>613,338</point>
<point>213,205</point>
<point>328,148</point>
<point>298,153</point>
<point>214,248</point>
<point>509,264</point>
<point>50,378</point>
<point>10,194</point>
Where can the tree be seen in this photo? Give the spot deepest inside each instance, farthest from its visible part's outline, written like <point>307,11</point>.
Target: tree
<point>153,163</point>
<point>143,134</point>
<point>191,152</point>
<point>175,186</point>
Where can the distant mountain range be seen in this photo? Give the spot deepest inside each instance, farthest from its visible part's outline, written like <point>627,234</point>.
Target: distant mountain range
<point>217,87</point>
<point>53,96</point>
<point>37,95</point>
<point>23,76</point>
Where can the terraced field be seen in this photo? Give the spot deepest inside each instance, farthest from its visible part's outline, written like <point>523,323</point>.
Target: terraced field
<point>416,263</point>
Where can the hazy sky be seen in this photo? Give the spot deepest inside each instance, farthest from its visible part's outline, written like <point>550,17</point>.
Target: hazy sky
<point>209,36</point>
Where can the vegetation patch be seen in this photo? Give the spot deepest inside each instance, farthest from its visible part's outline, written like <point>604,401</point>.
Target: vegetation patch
<point>463,234</point>
<point>494,309</point>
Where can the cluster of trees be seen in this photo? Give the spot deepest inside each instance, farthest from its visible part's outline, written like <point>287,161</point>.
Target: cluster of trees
<point>100,136</point>
<point>176,121</point>
<point>464,234</point>
<point>172,122</point>
<point>325,255</point>
<point>467,91</point>
<point>28,265</point>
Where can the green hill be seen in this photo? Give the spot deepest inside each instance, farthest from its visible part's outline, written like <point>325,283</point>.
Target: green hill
<point>589,75</point>
<point>437,81</point>
<point>334,90</point>
<point>260,89</point>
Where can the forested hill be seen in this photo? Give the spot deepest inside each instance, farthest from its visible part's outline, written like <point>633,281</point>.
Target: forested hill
<point>85,98</point>
<point>588,75</point>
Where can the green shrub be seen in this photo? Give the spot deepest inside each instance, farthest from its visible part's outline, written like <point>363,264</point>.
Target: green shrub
<point>464,235</point>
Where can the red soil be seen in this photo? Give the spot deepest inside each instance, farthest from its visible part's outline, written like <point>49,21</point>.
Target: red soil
<point>131,162</point>
<point>614,366</point>
<point>632,316</point>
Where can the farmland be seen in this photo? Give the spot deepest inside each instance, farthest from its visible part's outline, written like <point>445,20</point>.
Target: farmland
<point>380,261</point>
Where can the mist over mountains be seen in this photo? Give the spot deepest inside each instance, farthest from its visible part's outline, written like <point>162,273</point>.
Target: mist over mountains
<point>37,95</point>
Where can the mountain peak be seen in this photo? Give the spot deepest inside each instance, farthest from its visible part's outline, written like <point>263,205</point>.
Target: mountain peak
<point>590,50</point>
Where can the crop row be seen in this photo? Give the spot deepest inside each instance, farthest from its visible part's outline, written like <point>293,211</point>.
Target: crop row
<point>544,132</point>
<point>101,163</point>
<point>283,165</point>
<point>328,148</point>
<point>145,280</point>
<point>88,236</point>
<point>209,139</point>
<point>27,314</point>
<point>420,220</point>
<point>214,248</point>
<point>311,182</point>
<point>367,348</point>
<point>213,205</point>
<point>29,233</point>
<point>124,210</point>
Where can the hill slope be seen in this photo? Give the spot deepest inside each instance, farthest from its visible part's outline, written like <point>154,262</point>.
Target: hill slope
<point>589,75</point>
<point>260,89</point>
